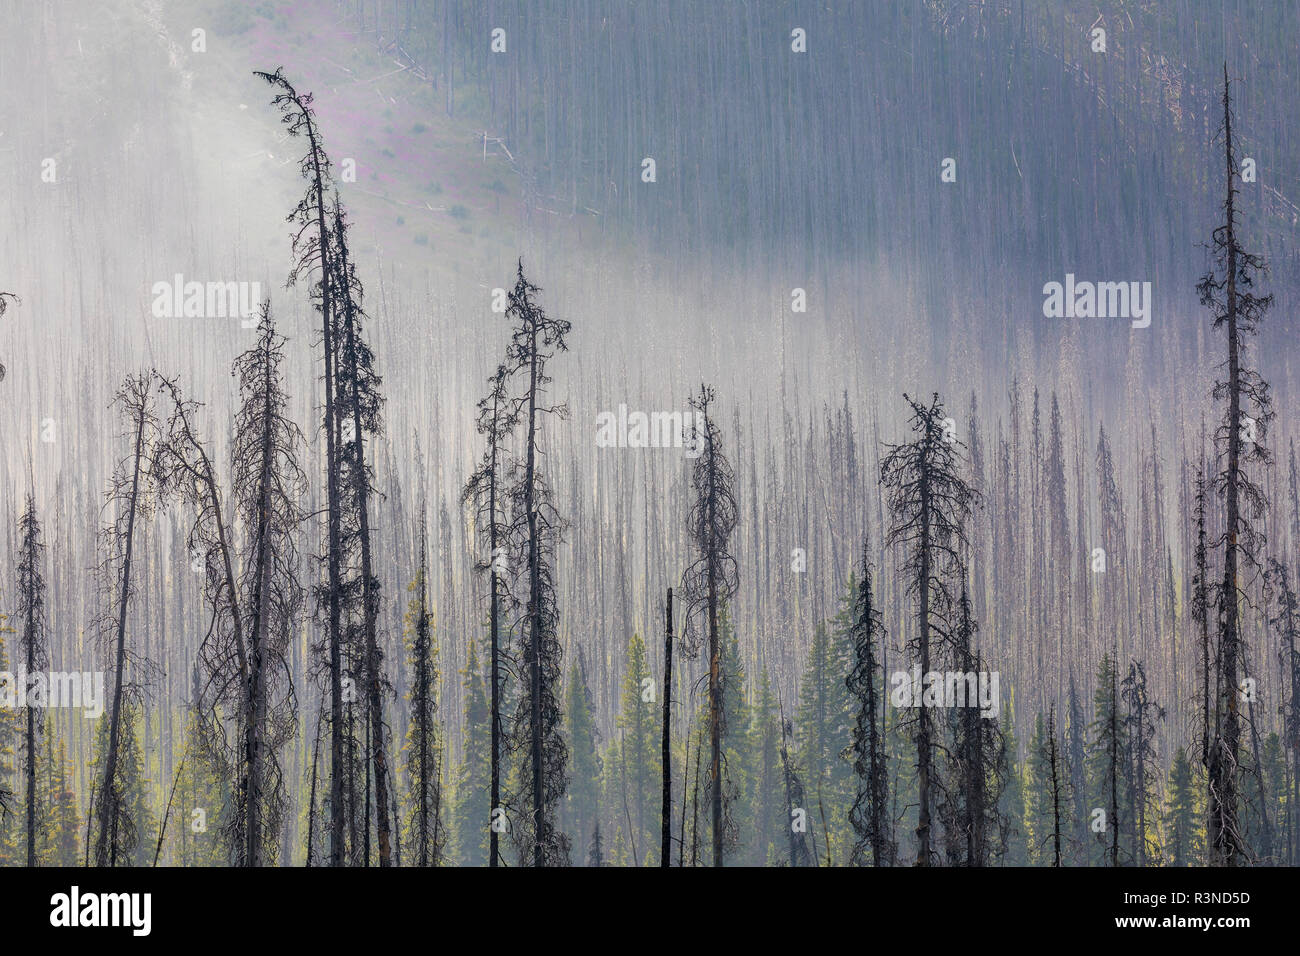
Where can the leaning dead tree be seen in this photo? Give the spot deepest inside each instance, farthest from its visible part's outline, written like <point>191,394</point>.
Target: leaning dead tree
<point>245,714</point>
<point>1228,292</point>
<point>311,251</point>
<point>535,527</point>
<point>184,471</point>
<point>129,499</point>
<point>930,502</point>
<point>709,582</point>
<point>486,490</point>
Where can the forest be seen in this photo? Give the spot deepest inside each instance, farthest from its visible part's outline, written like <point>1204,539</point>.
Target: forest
<point>470,433</point>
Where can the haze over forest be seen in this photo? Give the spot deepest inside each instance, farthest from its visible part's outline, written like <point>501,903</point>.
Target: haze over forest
<point>824,233</point>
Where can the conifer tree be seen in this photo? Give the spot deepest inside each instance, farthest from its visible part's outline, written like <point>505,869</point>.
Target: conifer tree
<point>33,646</point>
<point>768,795</point>
<point>312,257</point>
<point>582,801</point>
<point>130,497</point>
<point>635,765</point>
<point>930,502</point>
<point>1228,291</point>
<point>1139,722</point>
<point>825,723</point>
<point>708,584</point>
<point>1184,832</point>
<point>869,814</point>
<point>9,720</point>
<point>63,830</point>
<point>535,528</point>
<point>472,778</point>
<point>1106,759</point>
<point>497,418</point>
<point>423,747</point>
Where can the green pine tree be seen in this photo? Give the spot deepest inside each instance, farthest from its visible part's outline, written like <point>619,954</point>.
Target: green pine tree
<point>1184,816</point>
<point>61,835</point>
<point>767,798</point>
<point>10,723</point>
<point>1105,765</point>
<point>1039,818</point>
<point>139,830</point>
<point>824,722</point>
<point>471,819</point>
<point>633,770</point>
<point>581,807</point>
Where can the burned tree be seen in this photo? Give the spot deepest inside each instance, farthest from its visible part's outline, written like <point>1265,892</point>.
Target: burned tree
<point>1053,763</point>
<point>311,251</point>
<point>1228,292</point>
<point>497,419</point>
<point>424,759</point>
<point>535,526</point>
<point>977,749</point>
<point>666,770</point>
<point>268,484</point>
<point>33,645</point>
<point>1201,591</point>
<point>358,405</point>
<point>800,855</point>
<point>1139,722</point>
<point>930,502</point>
<point>865,682</point>
<point>710,581</point>
<point>245,713</point>
<point>130,497</point>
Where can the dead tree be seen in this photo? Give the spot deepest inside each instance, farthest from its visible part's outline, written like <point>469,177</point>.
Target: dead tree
<point>1140,718</point>
<point>930,502</point>
<point>130,497</point>
<point>1228,291</point>
<point>422,763</point>
<point>268,484</point>
<point>32,645</point>
<point>865,682</point>
<point>311,250</point>
<point>358,403</point>
<point>979,748</point>
<point>710,581</point>
<point>1201,591</point>
<point>485,488</point>
<point>1053,763</point>
<point>666,804</point>
<point>800,855</point>
<point>535,527</point>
